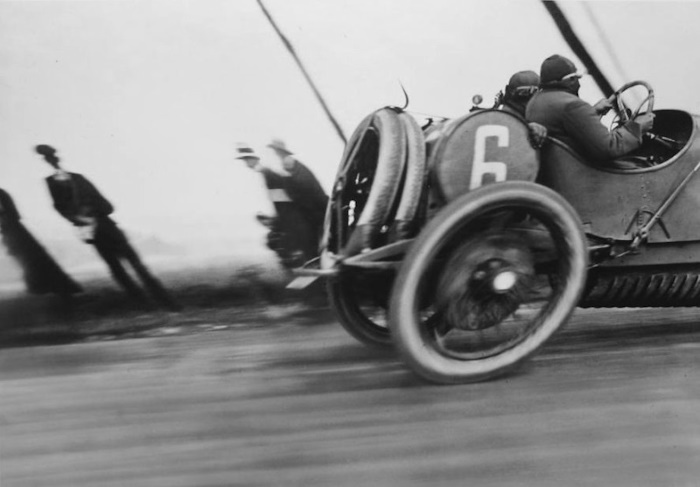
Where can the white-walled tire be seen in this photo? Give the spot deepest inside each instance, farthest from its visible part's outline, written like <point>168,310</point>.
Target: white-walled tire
<point>490,278</point>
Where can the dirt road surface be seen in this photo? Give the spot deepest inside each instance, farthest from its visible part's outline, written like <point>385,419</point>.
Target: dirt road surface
<point>292,400</point>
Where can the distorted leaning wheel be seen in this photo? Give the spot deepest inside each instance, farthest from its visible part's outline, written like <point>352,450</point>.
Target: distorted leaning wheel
<point>367,185</point>
<point>365,198</point>
<point>488,280</point>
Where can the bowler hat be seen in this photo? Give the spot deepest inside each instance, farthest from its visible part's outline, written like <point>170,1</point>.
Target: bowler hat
<point>45,150</point>
<point>244,151</point>
<point>279,145</point>
<point>555,68</point>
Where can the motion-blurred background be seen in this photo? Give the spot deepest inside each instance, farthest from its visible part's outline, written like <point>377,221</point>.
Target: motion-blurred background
<point>148,98</point>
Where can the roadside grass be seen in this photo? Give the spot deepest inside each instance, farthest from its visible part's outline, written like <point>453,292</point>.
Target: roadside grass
<point>213,296</point>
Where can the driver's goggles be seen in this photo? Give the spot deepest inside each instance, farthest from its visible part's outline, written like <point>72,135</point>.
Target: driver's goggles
<point>574,75</point>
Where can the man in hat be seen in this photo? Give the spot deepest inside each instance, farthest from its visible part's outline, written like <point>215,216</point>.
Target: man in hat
<point>274,180</point>
<point>289,230</point>
<point>303,187</point>
<point>79,202</point>
<point>558,107</point>
<point>514,98</point>
<point>520,88</point>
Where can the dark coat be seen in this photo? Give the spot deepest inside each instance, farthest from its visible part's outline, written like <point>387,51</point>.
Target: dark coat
<point>513,108</point>
<point>576,123</point>
<point>305,190</point>
<point>294,234</point>
<point>78,197</point>
<point>41,272</point>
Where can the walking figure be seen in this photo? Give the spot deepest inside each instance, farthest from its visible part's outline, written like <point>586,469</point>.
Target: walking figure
<point>79,201</point>
<point>305,191</point>
<point>296,226</point>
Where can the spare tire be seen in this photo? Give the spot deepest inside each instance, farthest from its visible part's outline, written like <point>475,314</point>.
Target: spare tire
<point>407,218</point>
<point>375,199</point>
<point>367,185</point>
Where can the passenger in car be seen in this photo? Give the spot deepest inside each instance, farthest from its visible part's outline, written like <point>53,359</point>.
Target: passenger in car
<point>514,98</point>
<point>571,120</point>
<point>520,88</point>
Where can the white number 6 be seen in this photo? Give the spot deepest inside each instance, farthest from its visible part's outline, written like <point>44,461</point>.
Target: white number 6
<point>479,166</point>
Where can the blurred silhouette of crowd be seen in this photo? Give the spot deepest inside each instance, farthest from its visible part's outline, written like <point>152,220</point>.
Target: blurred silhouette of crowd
<point>298,200</point>
<point>77,200</point>
<point>294,228</point>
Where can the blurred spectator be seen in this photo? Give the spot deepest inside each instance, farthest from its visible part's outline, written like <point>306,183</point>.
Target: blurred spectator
<point>303,189</point>
<point>293,234</point>
<point>42,275</point>
<point>79,201</point>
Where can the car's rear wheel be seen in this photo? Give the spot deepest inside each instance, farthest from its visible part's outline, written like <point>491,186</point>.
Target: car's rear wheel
<point>488,281</point>
<point>359,301</point>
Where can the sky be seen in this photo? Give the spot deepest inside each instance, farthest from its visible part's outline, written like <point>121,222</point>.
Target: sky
<point>148,98</point>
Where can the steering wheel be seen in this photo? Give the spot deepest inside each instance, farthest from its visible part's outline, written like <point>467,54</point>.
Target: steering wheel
<point>624,114</point>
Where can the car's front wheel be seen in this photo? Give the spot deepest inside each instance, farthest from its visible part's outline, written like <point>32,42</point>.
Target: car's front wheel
<point>490,278</point>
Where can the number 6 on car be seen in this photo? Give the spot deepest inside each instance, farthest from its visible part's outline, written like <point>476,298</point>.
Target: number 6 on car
<point>480,167</point>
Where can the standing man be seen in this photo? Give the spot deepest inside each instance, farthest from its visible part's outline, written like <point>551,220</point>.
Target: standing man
<point>42,274</point>
<point>79,202</point>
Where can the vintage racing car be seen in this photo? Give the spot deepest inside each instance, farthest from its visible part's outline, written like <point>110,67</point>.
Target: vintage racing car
<point>467,247</point>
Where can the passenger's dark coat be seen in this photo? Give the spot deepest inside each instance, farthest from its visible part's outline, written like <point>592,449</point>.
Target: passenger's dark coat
<point>42,274</point>
<point>576,123</point>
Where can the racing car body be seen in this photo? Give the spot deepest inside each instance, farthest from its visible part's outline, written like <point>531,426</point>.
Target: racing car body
<point>478,246</point>
<point>622,196</point>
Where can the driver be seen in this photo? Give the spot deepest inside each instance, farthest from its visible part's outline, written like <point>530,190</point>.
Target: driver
<point>558,107</point>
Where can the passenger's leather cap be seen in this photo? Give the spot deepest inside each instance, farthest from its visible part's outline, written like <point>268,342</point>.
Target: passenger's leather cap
<point>524,78</point>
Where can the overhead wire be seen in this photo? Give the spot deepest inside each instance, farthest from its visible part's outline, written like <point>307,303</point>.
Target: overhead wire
<point>609,48</point>
<point>574,42</point>
<point>292,51</point>
<point>605,39</point>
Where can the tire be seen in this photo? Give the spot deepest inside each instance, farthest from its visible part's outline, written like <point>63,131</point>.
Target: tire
<point>491,277</point>
<point>407,218</point>
<point>363,318</point>
<point>384,153</point>
<point>370,181</point>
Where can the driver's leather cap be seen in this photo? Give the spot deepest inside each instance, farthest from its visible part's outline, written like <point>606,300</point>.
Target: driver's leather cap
<point>554,68</point>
